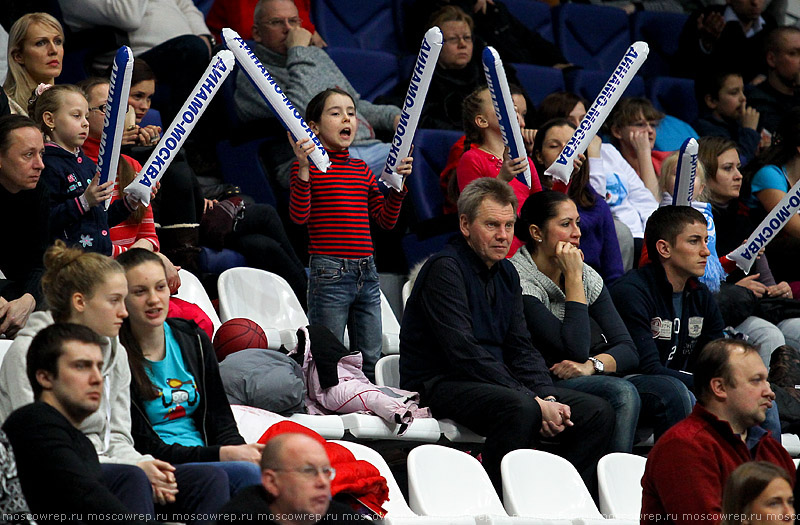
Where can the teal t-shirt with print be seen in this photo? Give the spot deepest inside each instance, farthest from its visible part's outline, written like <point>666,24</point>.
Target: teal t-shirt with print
<point>170,413</point>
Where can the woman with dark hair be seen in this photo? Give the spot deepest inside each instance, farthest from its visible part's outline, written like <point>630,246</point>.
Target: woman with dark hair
<point>600,245</point>
<point>731,225</point>
<point>771,176</point>
<point>143,86</point>
<point>723,189</point>
<point>758,493</point>
<point>569,311</point>
<point>561,104</point>
<point>179,410</point>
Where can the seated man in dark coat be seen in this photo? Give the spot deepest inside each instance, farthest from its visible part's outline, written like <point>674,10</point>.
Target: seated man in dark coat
<point>23,212</point>
<point>465,347</point>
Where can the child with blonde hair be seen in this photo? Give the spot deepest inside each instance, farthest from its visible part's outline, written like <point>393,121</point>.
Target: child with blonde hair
<point>77,199</point>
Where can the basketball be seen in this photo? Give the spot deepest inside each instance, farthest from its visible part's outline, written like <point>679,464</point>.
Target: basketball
<point>238,334</point>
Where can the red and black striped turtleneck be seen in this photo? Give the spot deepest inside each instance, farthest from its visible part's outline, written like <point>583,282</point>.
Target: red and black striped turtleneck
<point>337,206</point>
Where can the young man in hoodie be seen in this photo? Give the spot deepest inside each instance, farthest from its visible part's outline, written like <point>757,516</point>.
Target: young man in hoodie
<point>669,313</point>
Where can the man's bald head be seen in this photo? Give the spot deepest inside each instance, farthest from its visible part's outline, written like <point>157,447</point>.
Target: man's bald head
<point>296,473</point>
<point>272,21</point>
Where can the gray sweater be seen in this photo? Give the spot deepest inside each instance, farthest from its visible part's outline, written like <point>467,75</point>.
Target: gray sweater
<point>302,73</point>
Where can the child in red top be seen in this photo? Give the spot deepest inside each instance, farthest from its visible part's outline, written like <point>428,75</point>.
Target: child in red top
<point>343,288</point>
<point>490,158</point>
<point>139,229</point>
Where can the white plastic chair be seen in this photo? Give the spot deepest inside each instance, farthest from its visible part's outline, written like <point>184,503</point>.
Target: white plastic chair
<point>406,293</point>
<point>253,422</point>
<point>367,426</point>
<point>192,290</point>
<point>397,510</point>
<point>391,328</point>
<point>387,372</point>
<point>796,462</point>
<point>541,485</point>
<point>619,479</point>
<point>446,482</point>
<point>791,442</point>
<point>327,426</point>
<point>5,344</point>
<point>263,297</point>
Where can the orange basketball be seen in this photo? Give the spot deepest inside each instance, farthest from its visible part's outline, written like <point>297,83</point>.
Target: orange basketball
<point>238,334</point>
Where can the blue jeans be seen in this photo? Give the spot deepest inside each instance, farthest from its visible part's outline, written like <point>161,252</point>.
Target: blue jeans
<point>241,474</point>
<point>622,396</point>
<point>346,292</point>
<point>665,401</point>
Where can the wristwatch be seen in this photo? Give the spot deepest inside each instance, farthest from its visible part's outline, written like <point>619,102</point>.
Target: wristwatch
<point>599,367</point>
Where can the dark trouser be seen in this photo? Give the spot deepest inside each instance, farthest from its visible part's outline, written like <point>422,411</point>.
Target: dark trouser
<point>202,489</point>
<point>665,401</point>
<point>180,198</point>
<point>260,237</point>
<point>511,419</point>
<point>178,64</point>
<point>782,261</point>
<point>129,483</point>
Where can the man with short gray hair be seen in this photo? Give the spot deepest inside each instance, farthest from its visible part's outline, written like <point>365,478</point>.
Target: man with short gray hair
<point>302,70</point>
<point>465,347</point>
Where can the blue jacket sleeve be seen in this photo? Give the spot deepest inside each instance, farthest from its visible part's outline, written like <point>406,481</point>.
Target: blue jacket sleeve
<point>64,210</point>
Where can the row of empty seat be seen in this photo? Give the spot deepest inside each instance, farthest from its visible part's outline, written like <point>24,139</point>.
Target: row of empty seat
<point>449,486</point>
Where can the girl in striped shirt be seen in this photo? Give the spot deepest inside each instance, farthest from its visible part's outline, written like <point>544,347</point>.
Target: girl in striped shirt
<point>337,205</point>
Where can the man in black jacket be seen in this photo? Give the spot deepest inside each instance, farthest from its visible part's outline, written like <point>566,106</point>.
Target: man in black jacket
<point>58,466</point>
<point>465,347</point>
<point>23,212</point>
<point>669,313</point>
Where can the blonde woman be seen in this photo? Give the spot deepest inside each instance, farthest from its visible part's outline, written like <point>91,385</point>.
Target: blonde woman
<point>35,56</point>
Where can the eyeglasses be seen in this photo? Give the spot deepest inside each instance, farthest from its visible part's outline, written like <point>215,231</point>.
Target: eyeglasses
<point>311,472</point>
<point>456,39</point>
<point>278,22</point>
<point>101,108</point>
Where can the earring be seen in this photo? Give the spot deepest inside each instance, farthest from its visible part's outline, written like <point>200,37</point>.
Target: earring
<point>538,240</point>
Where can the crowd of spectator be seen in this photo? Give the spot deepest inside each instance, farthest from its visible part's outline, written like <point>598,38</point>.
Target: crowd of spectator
<point>563,316</point>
